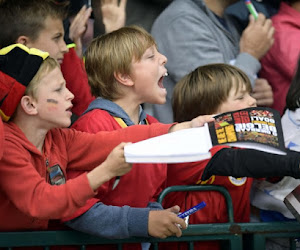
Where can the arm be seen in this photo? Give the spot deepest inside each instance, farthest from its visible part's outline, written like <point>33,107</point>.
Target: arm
<point>34,196</point>
<point>123,222</point>
<point>252,163</point>
<point>104,141</point>
<point>25,185</point>
<point>98,146</point>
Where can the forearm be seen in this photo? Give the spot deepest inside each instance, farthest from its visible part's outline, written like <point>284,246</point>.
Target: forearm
<point>99,176</point>
<point>113,222</point>
<point>252,163</point>
<point>98,146</point>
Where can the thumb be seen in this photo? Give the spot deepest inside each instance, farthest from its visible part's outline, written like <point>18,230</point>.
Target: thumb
<point>175,209</point>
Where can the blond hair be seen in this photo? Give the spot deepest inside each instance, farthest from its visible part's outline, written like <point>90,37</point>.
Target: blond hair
<point>203,90</point>
<point>113,53</point>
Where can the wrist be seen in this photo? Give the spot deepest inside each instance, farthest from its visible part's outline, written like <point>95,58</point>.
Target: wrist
<point>99,175</point>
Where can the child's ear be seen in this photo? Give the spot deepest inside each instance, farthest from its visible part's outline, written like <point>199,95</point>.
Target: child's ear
<point>28,105</point>
<point>124,79</point>
<point>23,40</point>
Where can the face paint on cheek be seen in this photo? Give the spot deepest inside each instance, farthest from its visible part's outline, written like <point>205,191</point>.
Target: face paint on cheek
<point>52,104</point>
<point>52,101</point>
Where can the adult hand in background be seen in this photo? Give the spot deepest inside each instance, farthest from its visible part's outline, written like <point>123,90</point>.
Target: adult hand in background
<point>258,37</point>
<point>263,93</point>
<point>78,28</point>
<point>113,14</point>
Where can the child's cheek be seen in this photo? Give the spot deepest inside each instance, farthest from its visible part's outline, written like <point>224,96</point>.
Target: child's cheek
<point>52,104</point>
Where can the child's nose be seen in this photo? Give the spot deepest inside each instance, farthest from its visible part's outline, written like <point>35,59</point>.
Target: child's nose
<point>70,95</point>
<point>163,59</point>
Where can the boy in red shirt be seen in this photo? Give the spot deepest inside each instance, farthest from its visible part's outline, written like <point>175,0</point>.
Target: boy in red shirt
<point>132,72</point>
<point>39,24</point>
<point>38,149</point>
<point>228,167</point>
<point>120,108</point>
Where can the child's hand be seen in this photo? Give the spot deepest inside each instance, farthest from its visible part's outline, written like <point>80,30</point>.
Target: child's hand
<point>164,223</point>
<point>116,163</point>
<point>199,121</point>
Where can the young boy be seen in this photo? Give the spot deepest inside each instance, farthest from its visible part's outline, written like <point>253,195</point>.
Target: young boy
<point>39,24</point>
<point>201,89</point>
<point>132,72</point>
<point>37,151</point>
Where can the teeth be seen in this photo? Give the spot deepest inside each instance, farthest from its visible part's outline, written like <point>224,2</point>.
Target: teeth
<point>166,74</point>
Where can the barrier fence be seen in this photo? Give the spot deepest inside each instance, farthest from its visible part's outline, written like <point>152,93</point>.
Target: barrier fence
<point>233,235</point>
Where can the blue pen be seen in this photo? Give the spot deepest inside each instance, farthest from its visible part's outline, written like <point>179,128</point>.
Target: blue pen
<point>192,210</point>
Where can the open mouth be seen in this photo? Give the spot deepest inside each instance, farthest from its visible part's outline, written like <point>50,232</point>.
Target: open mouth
<point>160,82</point>
<point>69,109</point>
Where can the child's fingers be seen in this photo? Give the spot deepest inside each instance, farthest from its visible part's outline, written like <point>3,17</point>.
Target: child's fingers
<point>180,224</point>
<point>201,120</point>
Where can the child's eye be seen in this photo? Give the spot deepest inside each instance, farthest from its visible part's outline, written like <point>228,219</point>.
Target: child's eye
<point>151,56</point>
<point>240,97</point>
<point>59,89</point>
<point>56,38</point>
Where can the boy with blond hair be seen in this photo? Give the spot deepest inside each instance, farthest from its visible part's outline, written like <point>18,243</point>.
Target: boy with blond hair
<point>38,149</point>
<point>39,24</point>
<point>132,73</point>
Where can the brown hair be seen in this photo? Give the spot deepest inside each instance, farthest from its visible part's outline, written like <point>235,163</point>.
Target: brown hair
<point>203,90</point>
<point>113,53</point>
<point>27,18</point>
